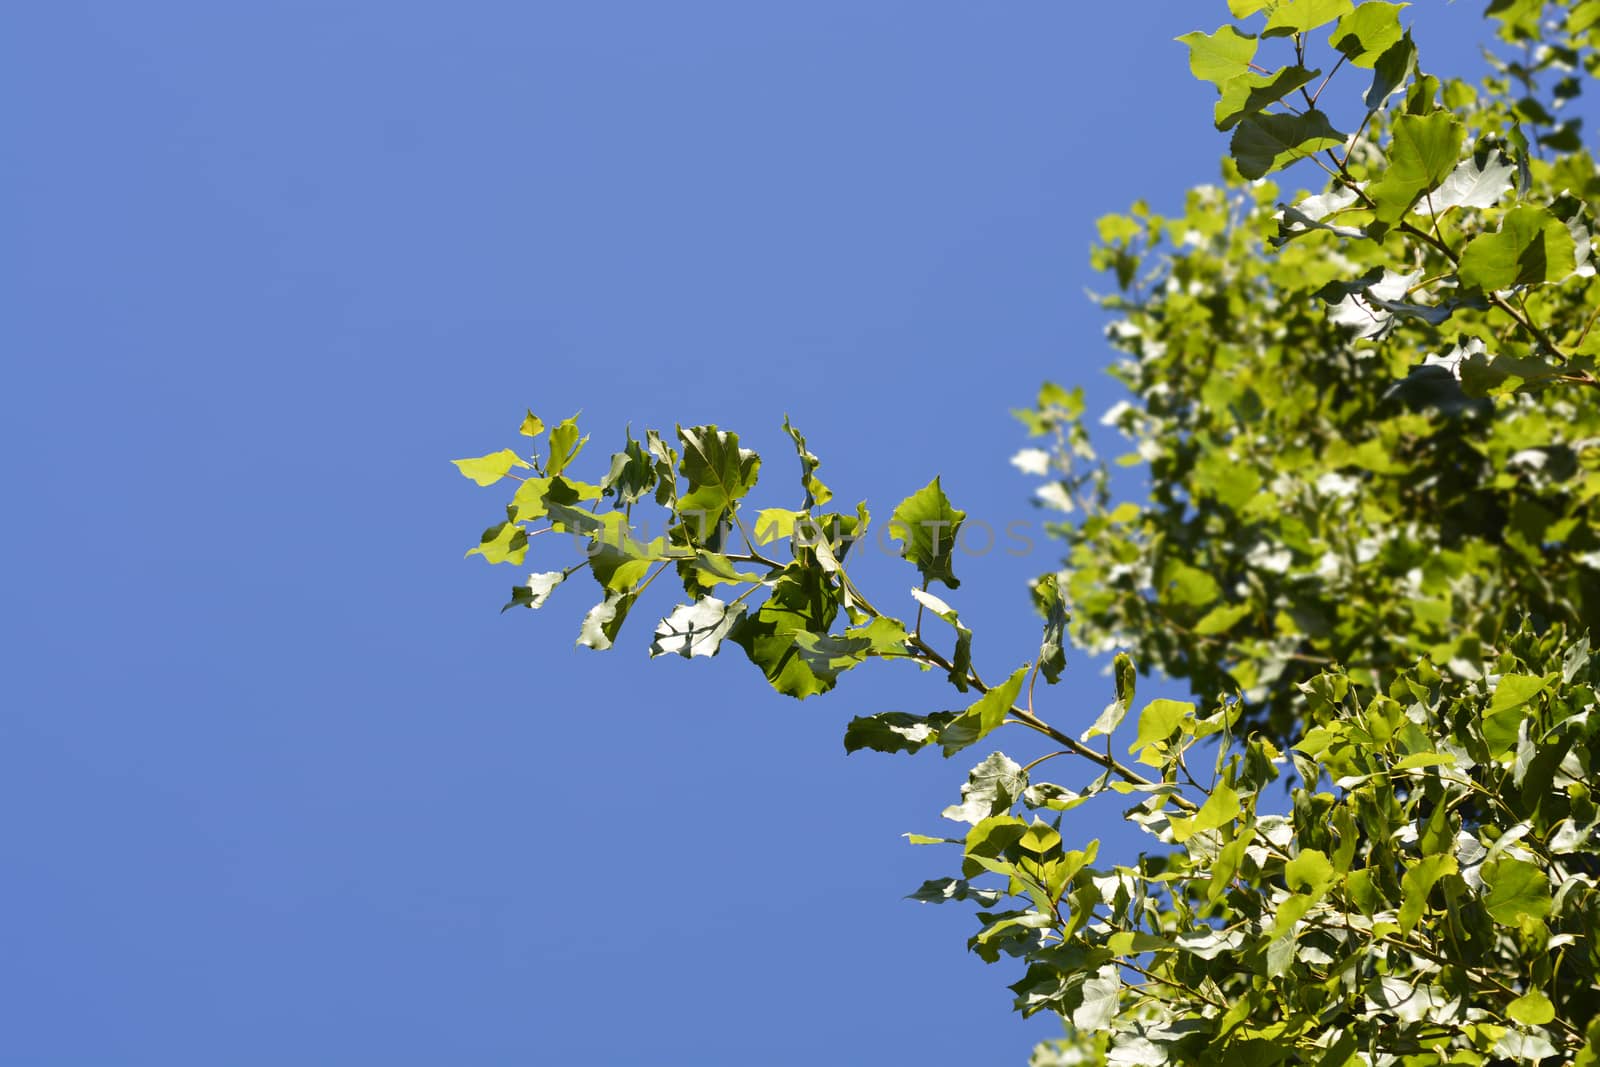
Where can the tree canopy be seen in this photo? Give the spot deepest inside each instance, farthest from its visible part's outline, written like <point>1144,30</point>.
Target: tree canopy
<point>1370,420</point>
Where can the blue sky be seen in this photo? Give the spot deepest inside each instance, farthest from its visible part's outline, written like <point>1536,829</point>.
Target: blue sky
<point>280,784</point>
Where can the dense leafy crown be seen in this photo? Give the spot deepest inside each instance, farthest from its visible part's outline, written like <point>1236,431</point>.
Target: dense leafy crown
<point>1371,422</point>
<point>1345,403</point>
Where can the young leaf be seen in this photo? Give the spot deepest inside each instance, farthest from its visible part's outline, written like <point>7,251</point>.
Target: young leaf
<point>1158,721</point>
<point>1220,809</point>
<point>1219,57</point>
<point>504,543</point>
<point>1367,32</point>
<point>816,492</point>
<point>565,444</point>
<point>486,470</point>
<point>1299,16</point>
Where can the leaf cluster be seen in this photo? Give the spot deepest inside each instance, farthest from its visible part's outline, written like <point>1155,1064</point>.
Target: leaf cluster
<point>1369,418</point>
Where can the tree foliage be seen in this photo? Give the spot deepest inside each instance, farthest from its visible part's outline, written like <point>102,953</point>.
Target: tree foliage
<point>1370,417</point>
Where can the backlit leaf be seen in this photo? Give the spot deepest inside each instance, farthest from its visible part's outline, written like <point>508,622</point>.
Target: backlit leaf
<point>928,526</point>
<point>1531,247</point>
<point>1423,150</point>
<point>486,470</point>
<point>1219,57</point>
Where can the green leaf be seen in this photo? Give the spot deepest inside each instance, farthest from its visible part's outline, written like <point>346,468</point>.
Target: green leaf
<point>1310,873</point>
<point>1126,677</point>
<point>939,890</point>
<point>600,626</point>
<point>1160,720</point>
<point>1367,32</point>
<point>1052,654</point>
<point>830,655</point>
<point>1186,586</point>
<point>801,601</point>
<point>1418,883</point>
<point>1299,16</point>
<point>816,492</point>
<point>1425,759</point>
<point>504,543</point>
<point>534,496</point>
<point>1219,57</point>
<point>1589,1055</point>
<point>1055,797</point>
<point>1423,150</point>
<point>927,525</point>
<point>775,524</point>
<point>1227,865</point>
<point>565,444</point>
<point>992,787</point>
<point>616,559</point>
<point>1102,994</point>
<point>1135,942</point>
<point>1221,619</point>
<point>1533,1008</point>
<point>718,471</point>
<point>1531,247</point>
<point>1250,93</point>
<point>486,470</point>
<point>536,592</point>
<point>988,712</point>
<point>961,658</point>
<point>1504,374</point>
<point>696,629</point>
<point>895,731</point>
<point>1390,72</point>
<point>1500,723</point>
<point>1264,143</point>
<point>1517,890</point>
<point>1241,9</point>
<point>632,475</point>
<point>1220,809</point>
<point>531,425</point>
<point>885,636</point>
<point>713,568</point>
<point>1515,690</point>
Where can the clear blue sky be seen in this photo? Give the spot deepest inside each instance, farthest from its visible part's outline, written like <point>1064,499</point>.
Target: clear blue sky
<point>280,785</point>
